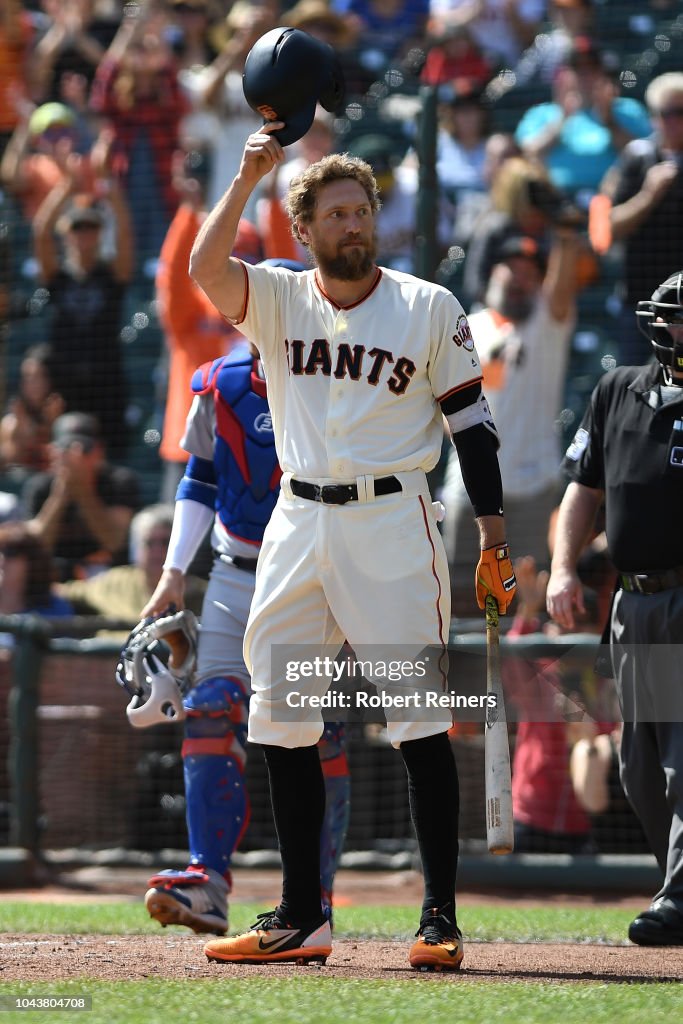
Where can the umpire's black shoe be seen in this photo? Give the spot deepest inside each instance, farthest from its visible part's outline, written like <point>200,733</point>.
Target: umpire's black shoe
<point>659,925</point>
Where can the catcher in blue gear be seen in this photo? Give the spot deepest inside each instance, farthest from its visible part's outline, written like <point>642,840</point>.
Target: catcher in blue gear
<point>231,483</point>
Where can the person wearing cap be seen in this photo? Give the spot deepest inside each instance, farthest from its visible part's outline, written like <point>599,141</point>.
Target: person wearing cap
<point>581,131</point>
<point>523,336</point>
<point>341,31</point>
<point>82,508</point>
<point>30,168</point>
<point>87,292</point>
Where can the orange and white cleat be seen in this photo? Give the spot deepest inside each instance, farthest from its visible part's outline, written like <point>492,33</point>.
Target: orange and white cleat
<point>272,940</point>
<point>439,945</point>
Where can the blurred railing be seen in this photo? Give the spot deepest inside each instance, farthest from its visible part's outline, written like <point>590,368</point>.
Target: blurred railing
<point>79,785</point>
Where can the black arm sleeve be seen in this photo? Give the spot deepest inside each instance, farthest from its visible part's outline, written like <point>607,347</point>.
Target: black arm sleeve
<point>460,399</point>
<point>477,452</point>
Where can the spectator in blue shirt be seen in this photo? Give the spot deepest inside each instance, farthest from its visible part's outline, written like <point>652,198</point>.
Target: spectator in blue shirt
<point>581,131</point>
<point>387,27</point>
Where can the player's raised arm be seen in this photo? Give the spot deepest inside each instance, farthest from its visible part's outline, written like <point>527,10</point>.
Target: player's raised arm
<point>211,266</point>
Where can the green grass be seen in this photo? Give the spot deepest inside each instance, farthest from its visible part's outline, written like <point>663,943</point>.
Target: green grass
<point>313,998</point>
<point>486,923</point>
<point>319,1000</point>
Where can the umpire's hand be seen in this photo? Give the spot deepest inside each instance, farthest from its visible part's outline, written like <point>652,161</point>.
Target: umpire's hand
<point>563,596</point>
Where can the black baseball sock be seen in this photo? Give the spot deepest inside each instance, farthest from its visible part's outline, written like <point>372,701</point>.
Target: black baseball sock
<point>297,793</point>
<point>434,806</point>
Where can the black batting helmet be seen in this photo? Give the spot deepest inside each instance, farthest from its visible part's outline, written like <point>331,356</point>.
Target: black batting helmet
<point>286,73</point>
<point>667,305</point>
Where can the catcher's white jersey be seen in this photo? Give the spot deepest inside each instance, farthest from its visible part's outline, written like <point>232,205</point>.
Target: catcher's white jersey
<point>355,391</point>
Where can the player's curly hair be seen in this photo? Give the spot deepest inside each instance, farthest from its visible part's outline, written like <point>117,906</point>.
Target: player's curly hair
<point>304,188</point>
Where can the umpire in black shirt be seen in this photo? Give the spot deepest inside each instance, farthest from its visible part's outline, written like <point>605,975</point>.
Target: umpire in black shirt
<point>628,452</point>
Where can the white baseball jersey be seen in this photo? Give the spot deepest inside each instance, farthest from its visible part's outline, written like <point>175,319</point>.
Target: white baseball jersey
<point>355,391</point>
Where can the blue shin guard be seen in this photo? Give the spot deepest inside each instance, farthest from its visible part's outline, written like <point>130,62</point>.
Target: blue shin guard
<point>332,749</point>
<point>217,805</point>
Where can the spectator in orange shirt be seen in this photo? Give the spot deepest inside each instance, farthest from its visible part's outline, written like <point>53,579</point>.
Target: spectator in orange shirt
<point>30,167</point>
<point>16,35</point>
<point>195,332</point>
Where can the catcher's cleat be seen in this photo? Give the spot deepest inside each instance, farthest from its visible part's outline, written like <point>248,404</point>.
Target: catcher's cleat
<point>439,945</point>
<point>272,939</point>
<point>196,898</point>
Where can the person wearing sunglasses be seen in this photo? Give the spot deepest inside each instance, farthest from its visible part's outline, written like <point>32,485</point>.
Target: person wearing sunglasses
<point>647,207</point>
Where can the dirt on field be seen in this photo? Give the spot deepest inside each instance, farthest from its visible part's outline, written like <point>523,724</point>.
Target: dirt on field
<point>180,955</point>
<point>177,953</point>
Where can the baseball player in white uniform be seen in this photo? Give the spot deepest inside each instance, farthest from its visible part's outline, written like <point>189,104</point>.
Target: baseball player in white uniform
<point>361,363</point>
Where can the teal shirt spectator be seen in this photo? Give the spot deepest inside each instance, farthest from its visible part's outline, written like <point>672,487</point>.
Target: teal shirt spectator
<point>584,151</point>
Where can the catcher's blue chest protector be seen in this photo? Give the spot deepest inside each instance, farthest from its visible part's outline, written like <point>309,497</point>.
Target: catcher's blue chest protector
<point>245,462</point>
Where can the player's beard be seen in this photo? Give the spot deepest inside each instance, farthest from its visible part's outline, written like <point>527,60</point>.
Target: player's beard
<point>347,262</point>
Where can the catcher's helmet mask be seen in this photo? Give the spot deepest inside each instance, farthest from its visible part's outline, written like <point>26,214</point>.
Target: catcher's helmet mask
<point>286,73</point>
<point>667,304</point>
<point>157,667</point>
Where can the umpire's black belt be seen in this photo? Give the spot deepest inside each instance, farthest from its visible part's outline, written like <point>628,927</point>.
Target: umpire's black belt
<point>651,582</point>
<point>339,494</point>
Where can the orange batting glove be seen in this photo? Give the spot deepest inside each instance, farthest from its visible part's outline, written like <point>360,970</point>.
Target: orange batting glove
<point>496,576</point>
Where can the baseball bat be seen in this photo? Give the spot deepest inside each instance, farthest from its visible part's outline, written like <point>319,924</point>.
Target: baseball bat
<point>498,784</point>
